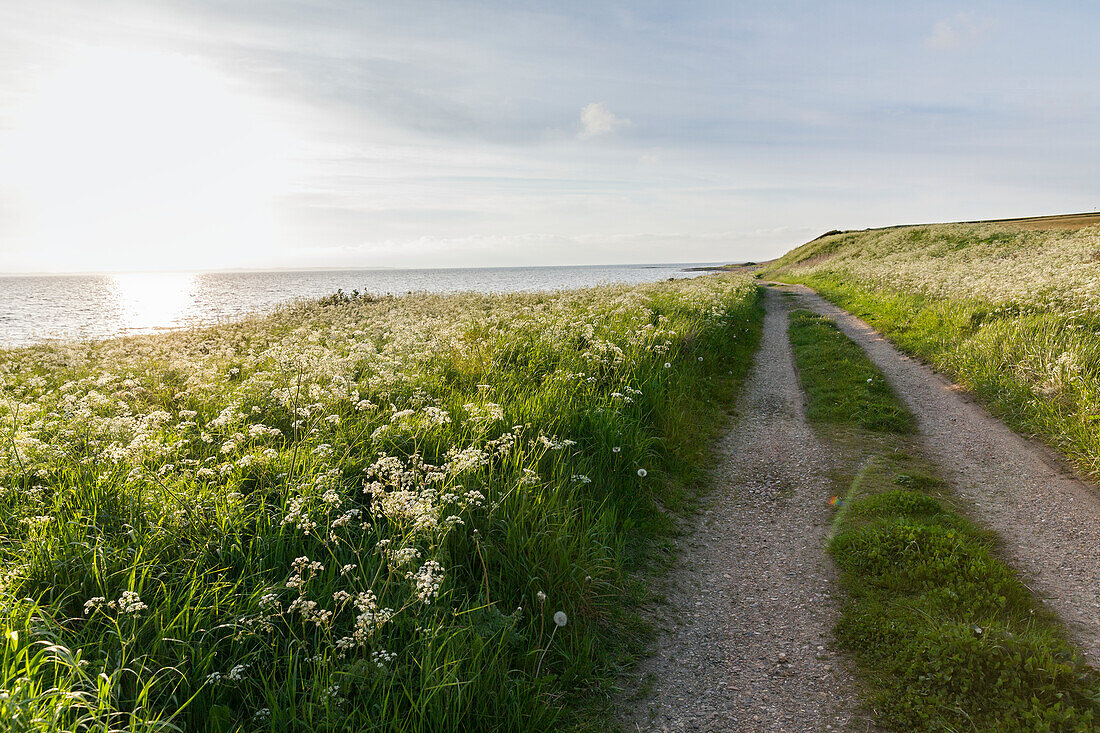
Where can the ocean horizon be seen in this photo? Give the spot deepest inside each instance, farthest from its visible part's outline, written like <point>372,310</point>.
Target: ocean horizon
<point>73,306</point>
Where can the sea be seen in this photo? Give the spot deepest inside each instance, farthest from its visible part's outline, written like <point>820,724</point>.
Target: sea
<point>38,308</point>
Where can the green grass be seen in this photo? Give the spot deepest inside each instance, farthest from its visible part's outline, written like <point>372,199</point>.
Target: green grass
<point>354,514</point>
<point>840,384</point>
<point>945,636</point>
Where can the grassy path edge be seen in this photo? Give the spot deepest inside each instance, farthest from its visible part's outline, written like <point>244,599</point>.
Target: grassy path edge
<point>651,550</point>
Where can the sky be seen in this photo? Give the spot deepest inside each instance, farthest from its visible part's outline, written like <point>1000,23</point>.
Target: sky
<point>193,134</point>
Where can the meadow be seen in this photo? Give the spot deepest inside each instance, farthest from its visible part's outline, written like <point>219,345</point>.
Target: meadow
<point>1011,312</point>
<point>398,514</point>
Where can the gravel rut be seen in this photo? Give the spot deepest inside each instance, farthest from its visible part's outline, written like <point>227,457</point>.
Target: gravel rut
<point>752,595</point>
<point>1047,518</point>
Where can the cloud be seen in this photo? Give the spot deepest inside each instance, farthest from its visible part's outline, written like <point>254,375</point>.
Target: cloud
<point>962,31</point>
<point>597,119</point>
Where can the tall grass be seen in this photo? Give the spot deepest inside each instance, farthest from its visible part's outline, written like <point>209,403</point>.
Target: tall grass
<point>407,514</point>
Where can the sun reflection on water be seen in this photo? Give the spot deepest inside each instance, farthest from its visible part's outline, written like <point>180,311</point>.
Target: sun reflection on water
<point>150,301</point>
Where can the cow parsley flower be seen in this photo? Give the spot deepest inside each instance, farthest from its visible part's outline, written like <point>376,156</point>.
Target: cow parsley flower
<point>381,658</point>
<point>130,602</point>
<point>428,580</point>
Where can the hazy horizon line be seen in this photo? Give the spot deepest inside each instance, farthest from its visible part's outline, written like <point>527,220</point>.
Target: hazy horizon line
<point>381,268</point>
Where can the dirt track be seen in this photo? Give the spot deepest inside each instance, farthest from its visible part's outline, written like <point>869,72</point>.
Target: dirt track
<point>751,597</point>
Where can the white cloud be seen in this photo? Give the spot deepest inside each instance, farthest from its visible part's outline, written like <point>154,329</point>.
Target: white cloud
<point>597,119</point>
<point>962,31</point>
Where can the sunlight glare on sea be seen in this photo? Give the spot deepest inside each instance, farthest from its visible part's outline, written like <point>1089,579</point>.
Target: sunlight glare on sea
<point>149,301</point>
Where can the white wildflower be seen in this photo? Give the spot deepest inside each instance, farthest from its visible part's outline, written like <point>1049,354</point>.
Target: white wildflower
<point>130,602</point>
<point>428,580</point>
<point>382,658</point>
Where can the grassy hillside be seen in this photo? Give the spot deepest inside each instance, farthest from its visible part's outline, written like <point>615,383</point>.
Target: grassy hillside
<point>407,514</point>
<point>1012,312</point>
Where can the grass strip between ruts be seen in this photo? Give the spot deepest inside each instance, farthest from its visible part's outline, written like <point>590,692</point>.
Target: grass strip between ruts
<point>841,385</point>
<point>1011,315</point>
